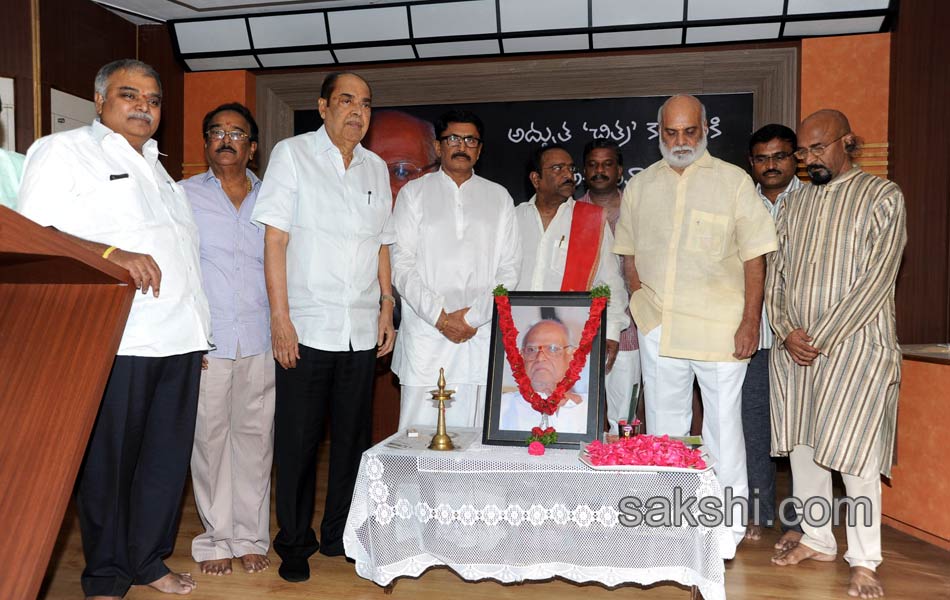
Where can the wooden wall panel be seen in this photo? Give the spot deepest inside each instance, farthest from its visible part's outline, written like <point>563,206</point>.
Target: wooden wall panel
<point>919,128</point>
<point>76,38</point>
<point>155,48</point>
<point>16,56</point>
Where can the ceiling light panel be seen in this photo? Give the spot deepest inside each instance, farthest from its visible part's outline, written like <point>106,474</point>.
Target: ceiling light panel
<point>731,33</point>
<point>528,15</point>
<point>307,29</point>
<point>222,63</point>
<point>374,54</point>
<point>635,12</point>
<point>472,48</point>
<point>290,59</point>
<point>630,39</point>
<point>834,26</point>
<point>548,43</point>
<point>212,36</point>
<point>369,25</point>
<point>805,7</point>
<point>733,9</point>
<point>454,18</point>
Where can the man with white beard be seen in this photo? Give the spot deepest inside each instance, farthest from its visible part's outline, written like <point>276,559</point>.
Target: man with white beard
<point>693,234</point>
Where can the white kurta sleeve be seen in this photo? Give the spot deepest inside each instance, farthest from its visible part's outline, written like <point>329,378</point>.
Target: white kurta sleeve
<point>608,272</point>
<point>407,222</point>
<point>508,259</point>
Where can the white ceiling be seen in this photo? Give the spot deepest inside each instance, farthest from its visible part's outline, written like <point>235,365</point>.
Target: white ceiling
<point>234,34</point>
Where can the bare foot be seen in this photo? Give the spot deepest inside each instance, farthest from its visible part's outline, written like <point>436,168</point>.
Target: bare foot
<point>798,553</point>
<point>254,563</point>
<point>865,583</point>
<point>174,583</point>
<point>221,566</point>
<point>753,533</point>
<point>788,540</point>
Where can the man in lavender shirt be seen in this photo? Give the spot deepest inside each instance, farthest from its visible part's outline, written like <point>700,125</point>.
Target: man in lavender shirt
<point>231,459</point>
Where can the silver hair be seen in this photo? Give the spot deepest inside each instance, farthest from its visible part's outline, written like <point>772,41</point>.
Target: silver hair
<point>124,64</point>
<point>567,332</point>
<point>659,113</point>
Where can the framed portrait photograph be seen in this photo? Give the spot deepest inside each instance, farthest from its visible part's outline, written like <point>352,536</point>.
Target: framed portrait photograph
<point>549,329</point>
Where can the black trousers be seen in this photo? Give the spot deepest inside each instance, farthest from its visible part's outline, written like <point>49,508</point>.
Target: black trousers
<point>133,475</point>
<point>334,386</point>
<point>757,425</point>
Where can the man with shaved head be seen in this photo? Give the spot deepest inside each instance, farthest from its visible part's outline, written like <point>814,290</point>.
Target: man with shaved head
<point>836,362</point>
<point>694,234</point>
<point>406,143</point>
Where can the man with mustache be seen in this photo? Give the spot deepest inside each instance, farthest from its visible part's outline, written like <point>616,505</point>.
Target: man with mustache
<point>772,158</point>
<point>231,460</point>
<point>103,187</point>
<point>566,244</point>
<point>603,172</point>
<point>836,361</point>
<point>547,353</point>
<point>694,234</point>
<point>456,239</point>
<point>326,209</point>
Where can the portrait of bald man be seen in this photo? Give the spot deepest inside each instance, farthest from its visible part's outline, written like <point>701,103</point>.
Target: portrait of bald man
<point>405,142</point>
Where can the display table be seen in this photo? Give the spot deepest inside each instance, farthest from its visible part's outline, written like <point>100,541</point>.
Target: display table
<point>497,512</point>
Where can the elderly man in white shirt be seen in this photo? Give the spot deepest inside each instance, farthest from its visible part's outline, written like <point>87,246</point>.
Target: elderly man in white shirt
<point>560,254</point>
<point>456,239</point>
<point>326,206</point>
<point>103,187</point>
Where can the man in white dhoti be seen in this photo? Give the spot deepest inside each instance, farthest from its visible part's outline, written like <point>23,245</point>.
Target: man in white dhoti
<point>456,239</point>
<point>835,367</point>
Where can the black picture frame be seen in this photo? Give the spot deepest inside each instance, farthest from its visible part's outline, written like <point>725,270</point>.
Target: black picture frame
<point>527,308</point>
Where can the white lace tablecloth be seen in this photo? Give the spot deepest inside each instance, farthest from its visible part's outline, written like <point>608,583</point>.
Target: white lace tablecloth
<point>497,512</point>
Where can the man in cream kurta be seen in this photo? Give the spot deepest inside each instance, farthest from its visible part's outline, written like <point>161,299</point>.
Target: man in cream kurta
<point>695,233</point>
<point>456,239</point>
<point>835,362</point>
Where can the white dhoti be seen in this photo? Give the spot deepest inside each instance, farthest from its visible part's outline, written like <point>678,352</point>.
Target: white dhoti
<point>668,393</point>
<point>623,385</point>
<point>232,455</point>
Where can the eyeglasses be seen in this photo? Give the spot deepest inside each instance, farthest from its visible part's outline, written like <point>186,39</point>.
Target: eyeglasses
<point>406,171</point>
<point>532,351</point>
<point>761,159</point>
<point>817,149</point>
<point>558,168</point>
<point>456,140</point>
<point>220,134</point>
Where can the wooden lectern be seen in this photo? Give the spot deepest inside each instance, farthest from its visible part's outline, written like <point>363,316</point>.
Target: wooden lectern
<point>62,313</point>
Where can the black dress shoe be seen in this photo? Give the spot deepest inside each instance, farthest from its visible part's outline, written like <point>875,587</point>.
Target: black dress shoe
<point>294,570</point>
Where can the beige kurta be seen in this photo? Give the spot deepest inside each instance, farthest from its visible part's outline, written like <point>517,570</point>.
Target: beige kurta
<point>833,275</point>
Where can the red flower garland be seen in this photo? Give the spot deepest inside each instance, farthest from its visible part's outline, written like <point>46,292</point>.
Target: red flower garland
<point>509,336</point>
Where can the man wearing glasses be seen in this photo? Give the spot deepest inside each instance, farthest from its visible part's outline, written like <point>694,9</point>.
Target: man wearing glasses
<point>772,158</point>
<point>231,459</point>
<point>406,143</point>
<point>547,353</point>
<point>695,234</point>
<point>456,239</point>
<point>567,244</point>
<point>836,362</point>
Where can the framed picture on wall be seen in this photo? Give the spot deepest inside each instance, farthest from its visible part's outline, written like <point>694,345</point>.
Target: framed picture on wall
<point>549,331</point>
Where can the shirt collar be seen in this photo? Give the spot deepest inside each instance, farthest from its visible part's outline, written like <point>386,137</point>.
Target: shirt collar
<point>704,162</point>
<point>448,179</point>
<point>843,177</point>
<point>209,176</point>
<point>101,131</point>
<point>325,144</point>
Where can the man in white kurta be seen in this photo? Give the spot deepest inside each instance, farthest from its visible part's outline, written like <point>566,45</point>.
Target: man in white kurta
<point>456,239</point>
<point>545,222</point>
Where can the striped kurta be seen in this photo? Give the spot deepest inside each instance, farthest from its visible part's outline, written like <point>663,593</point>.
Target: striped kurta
<point>833,276</point>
